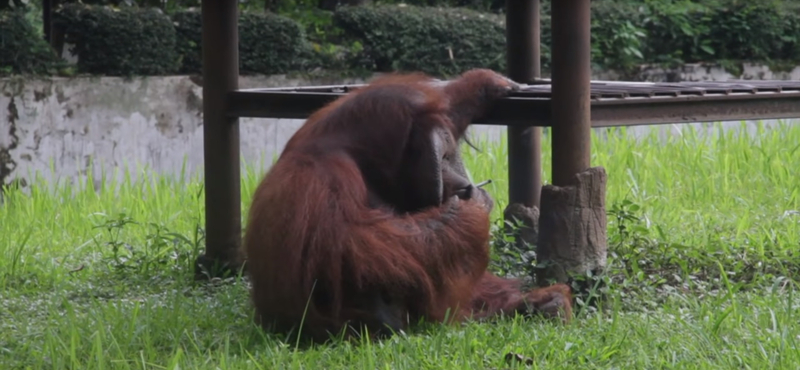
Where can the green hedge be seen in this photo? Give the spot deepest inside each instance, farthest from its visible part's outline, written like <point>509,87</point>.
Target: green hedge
<point>671,32</point>
<point>625,34</point>
<point>22,49</point>
<point>130,41</point>
<point>268,43</point>
<point>440,41</point>
<point>189,38</point>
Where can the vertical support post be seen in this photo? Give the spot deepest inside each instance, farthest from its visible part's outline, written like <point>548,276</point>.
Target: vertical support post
<point>572,243</point>
<point>220,139</point>
<point>54,34</point>
<point>523,57</point>
<point>571,74</point>
<point>47,23</point>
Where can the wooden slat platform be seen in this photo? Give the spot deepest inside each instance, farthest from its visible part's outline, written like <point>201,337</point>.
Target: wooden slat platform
<point>614,103</point>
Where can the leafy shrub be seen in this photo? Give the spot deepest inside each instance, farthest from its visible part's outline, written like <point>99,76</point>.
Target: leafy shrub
<point>479,5</point>
<point>790,18</point>
<point>268,43</point>
<point>681,31</point>
<point>747,30</point>
<point>625,34</point>
<point>438,41</point>
<point>22,49</point>
<point>617,35</point>
<point>119,41</point>
<point>188,40</point>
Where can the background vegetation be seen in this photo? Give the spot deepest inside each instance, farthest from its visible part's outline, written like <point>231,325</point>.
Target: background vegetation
<point>438,37</point>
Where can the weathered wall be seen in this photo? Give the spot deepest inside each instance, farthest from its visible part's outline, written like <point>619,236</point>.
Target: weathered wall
<point>106,123</point>
<point>71,125</point>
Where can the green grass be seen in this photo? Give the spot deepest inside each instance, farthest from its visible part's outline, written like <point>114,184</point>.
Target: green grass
<point>703,234</point>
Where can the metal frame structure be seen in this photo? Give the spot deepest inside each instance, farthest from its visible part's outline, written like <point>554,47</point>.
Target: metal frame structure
<point>571,105</point>
<point>612,103</point>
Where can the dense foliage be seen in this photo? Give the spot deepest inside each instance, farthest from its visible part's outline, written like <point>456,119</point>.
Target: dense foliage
<point>268,43</point>
<point>441,41</point>
<point>684,31</point>
<point>136,41</point>
<point>22,50</point>
<point>301,36</point>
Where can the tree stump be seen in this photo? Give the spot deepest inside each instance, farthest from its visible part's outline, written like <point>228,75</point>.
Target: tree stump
<point>572,246</point>
<point>523,223</point>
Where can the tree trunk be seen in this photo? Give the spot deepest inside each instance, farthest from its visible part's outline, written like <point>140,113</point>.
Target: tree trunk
<point>572,244</point>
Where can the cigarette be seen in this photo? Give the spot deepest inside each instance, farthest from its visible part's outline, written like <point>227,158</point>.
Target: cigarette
<point>487,182</point>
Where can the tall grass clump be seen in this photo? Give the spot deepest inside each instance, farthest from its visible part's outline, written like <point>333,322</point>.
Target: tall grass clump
<point>703,231</point>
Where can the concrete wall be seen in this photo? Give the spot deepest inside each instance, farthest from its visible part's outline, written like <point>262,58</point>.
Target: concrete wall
<point>63,127</point>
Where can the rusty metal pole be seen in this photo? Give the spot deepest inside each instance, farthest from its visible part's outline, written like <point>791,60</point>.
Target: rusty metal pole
<point>572,245</point>
<point>571,74</point>
<point>524,64</point>
<point>220,138</point>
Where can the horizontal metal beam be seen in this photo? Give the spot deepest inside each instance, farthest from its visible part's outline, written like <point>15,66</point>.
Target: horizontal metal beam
<point>527,111</point>
<point>691,109</point>
<point>277,104</point>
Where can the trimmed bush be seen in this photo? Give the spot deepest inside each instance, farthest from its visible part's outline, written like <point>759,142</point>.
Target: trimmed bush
<point>790,18</point>
<point>22,49</point>
<point>617,35</point>
<point>670,32</point>
<point>439,41</point>
<point>188,41</point>
<point>750,30</point>
<point>268,43</point>
<point>271,44</point>
<point>119,42</point>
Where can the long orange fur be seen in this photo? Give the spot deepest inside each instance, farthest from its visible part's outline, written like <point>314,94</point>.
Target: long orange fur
<point>317,248</point>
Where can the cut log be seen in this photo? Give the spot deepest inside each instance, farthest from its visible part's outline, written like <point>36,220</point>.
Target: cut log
<point>572,241</point>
